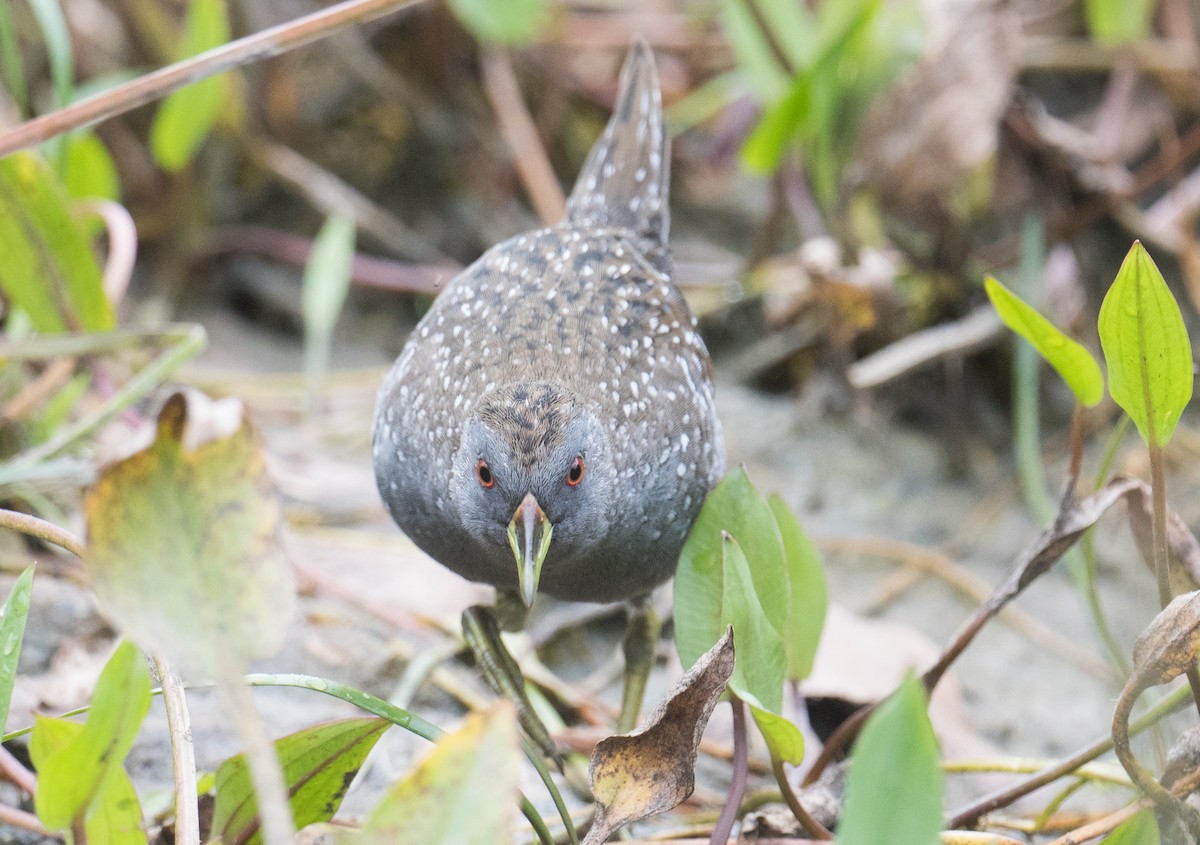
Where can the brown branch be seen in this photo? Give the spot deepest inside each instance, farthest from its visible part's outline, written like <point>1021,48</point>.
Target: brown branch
<point>160,83</point>
<point>517,127</point>
<point>43,530</point>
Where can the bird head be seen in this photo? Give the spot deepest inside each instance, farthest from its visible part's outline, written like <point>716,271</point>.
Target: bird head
<point>533,473</point>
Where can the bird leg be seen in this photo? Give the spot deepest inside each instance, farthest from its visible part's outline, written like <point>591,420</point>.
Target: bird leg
<point>482,633</point>
<point>640,646</point>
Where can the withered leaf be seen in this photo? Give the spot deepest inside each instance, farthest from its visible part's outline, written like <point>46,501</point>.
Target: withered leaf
<point>1181,542</point>
<point>652,769</point>
<point>1167,647</point>
<point>182,548</point>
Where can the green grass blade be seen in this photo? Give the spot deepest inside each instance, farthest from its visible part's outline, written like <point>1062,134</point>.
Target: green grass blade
<point>11,68</point>
<point>12,631</point>
<point>57,35</point>
<point>186,118</point>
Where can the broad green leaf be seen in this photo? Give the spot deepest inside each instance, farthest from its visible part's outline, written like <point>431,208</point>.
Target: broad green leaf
<point>182,547</point>
<point>808,597</point>
<point>502,21</point>
<point>115,817</point>
<point>1146,348</point>
<point>463,793</point>
<point>1142,829</point>
<point>736,508</point>
<point>318,765</point>
<point>784,740</point>
<point>48,270</point>
<point>57,36</point>
<point>70,777</point>
<point>90,171</point>
<point>326,283</point>
<point>760,666</point>
<point>12,631</point>
<point>12,70</point>
<point>186,117</point>
<point>1074,364</point>
<point>1119,21</point>
<point>894,788</point>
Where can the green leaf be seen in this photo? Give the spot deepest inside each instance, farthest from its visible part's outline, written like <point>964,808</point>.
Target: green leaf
<point>12,70</point>
<point>502,21</point>
<point>792,28</point>
<point>186,118</point>
<point>1074,364</point>
<point>894,788</point>
<point>807,594</point>
<point>784,740</point>
<point>48,270</point>
<point>318,765</point>
<point>1119,21</point>
<point>736,508</point>
<point>70,778</point>
<point>326,283</point>
<point>90,171</point>
<point>1146,347</point>
<point>116,814</point>
<point>12,631</point>
<point>182,547</point>
<point>57,36</point>
<point>1141,829</point>
<point>463,793</point>
<point>760,664</point>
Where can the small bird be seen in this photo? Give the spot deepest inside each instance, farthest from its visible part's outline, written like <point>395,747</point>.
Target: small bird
<point>554,408</point>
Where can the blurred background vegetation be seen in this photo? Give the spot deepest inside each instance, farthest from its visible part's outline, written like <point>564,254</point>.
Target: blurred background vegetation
<point>844,173</point>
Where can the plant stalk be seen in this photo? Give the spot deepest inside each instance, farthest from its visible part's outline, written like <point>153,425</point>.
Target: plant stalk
<point>737,785</point>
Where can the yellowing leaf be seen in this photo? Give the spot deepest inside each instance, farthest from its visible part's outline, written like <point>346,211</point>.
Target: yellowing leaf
<point>1074,364</point>
<point>653,769</point>
<point>182,548</point>
<point>1146,347</point>
<point>464,793</point>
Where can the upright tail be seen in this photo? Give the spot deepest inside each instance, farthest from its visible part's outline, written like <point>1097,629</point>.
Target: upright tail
<point>624,183</point>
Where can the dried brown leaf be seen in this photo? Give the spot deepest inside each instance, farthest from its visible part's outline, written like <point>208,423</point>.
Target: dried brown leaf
<point>652,769</point>
<point>1181,542</point>
<point>1167,647</point>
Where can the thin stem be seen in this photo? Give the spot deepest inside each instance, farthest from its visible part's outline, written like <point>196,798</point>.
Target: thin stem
<point>160,83</point>
<point>539,765</point>
<point>43,530</point>
<point>25,821</point>
<point>189,340</point>
<point>737,785</point>
<point>274,811</point>
<point>814,828</point>
<point>183,753</point>
<point>968,816</point>
<point>1139,773</point>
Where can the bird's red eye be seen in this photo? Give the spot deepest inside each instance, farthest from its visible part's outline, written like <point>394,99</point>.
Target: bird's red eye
<point>575,473</point>
<point>484,474</point>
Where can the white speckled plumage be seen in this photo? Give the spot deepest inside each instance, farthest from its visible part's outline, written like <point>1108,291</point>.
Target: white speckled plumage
<point>567,342</point>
